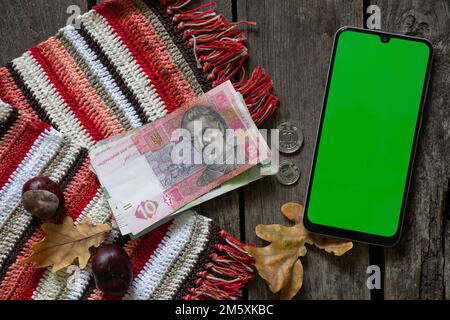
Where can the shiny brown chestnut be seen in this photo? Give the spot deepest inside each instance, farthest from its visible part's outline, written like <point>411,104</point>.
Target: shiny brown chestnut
<point>112,270</point>
<point>42,197</point>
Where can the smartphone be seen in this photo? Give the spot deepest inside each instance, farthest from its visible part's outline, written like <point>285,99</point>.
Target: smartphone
<point>369,127</point>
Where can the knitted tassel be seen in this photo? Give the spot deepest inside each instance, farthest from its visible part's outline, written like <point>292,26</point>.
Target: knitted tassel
<point>174,5</point>
<point>258,95</point>
<point>220,51</point>
<point>228,270</point>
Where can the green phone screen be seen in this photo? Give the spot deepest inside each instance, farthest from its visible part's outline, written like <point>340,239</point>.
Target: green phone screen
<point>368,132</point>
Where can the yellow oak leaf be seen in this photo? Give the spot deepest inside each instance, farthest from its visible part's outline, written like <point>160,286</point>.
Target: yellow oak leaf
<point>294,212</point>
<point>295,282</point>
<point>279,263</point>
<point>65,242</point>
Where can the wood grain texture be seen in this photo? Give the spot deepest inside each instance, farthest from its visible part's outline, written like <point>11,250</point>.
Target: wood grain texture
<point>293,41</point>
<point>24,24</point>
<point>418,268</point>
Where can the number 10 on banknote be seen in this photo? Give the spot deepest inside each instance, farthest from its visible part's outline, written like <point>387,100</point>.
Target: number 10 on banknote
<point>150,173</point>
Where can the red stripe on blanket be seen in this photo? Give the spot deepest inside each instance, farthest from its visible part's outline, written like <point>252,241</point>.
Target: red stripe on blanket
<point>32,284</point>
<point>17,149</point>
<point>67,94</point>
<point>141,255</point>
<point>11,94</point>
<point>81,190</point>
<point>17,279</point>
<point>117,15</point>
<point>150,41</point>
<point>88,102</point>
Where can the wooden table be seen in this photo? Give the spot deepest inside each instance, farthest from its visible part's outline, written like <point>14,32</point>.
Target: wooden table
<point>293,42</point>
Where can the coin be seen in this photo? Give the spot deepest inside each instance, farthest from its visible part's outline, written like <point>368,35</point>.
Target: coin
<point>291,138</point>
<point>288,174</point>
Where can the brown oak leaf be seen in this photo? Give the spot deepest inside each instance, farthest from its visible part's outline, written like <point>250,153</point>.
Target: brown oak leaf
<point>65,242</point>
<point>279,263</point>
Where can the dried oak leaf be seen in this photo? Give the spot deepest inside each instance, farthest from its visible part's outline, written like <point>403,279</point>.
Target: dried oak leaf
<point>65,242</point>
<point>279,263</point>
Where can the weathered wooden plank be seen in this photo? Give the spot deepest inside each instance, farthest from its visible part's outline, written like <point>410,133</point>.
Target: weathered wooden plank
<point>418,268</point>
<point>26,23</point>
<point>293,42</point>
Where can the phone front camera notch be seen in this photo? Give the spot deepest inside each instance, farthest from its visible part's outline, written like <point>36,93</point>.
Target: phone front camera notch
<point>385,38</point>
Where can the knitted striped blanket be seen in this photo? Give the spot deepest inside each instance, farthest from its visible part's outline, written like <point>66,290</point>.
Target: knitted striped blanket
<point>130,63</point>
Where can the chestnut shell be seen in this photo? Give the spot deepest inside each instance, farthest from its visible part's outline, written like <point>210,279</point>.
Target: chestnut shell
<point>112,269</point>
<point>42,197</point>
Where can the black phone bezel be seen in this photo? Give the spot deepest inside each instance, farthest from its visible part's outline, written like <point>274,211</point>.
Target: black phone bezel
<point>351,234</point>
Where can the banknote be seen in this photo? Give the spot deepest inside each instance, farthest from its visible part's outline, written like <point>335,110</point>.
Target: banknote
<point>255,173</point>
<point>153,172</point>
<point>267,168</point>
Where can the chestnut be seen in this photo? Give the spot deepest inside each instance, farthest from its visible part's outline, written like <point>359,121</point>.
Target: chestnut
<point>42,197</point>
<point>112,270</point>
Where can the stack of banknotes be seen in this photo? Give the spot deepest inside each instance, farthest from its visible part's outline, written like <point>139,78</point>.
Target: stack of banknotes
<point>199,152</point>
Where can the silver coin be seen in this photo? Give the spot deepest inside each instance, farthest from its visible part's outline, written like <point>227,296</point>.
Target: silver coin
<point>291,138</point>
<point>288,173</point>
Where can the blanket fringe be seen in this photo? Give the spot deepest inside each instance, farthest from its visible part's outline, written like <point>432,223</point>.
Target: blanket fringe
<point>219,49</point>
<point>229,268</point>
